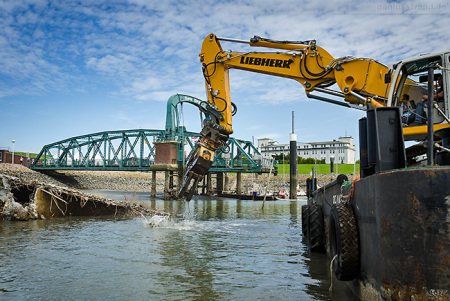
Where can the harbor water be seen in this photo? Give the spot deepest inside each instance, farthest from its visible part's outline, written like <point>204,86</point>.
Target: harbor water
<point>212,249</point>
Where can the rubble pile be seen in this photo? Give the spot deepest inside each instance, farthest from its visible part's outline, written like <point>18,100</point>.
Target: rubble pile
<point>24,200</point>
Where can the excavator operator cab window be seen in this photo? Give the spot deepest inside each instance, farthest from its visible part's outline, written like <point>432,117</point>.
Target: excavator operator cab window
<point>412,90</point>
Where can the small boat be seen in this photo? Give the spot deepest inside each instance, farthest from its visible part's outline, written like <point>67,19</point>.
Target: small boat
<point>283,194</point>
<point>301,192</point>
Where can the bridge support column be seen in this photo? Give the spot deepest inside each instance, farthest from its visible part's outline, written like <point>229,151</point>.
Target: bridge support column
<point>166,185</point>
<point>219,183</point>
<point>203,185</point>
<point>227,183</point>
<point>208,184</point>
<point>180,177</point>
<point>153,192</point>
<point>239,183</point>
<point>171,185</point>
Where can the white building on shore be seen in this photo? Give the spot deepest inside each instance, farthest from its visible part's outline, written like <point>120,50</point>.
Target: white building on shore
<point>342,150</point>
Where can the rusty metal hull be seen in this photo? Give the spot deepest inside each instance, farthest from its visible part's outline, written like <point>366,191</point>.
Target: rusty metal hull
<point>403,220</point>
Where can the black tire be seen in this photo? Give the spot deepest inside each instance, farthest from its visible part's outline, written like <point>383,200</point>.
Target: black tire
<point>316,233</point>
<point>305,220</point>
<point>344,242</point>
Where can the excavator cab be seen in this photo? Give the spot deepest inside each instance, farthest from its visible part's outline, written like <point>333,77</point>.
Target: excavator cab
<point>410,92</point>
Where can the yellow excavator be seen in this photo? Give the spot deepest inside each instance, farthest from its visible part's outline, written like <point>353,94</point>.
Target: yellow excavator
<point>360,83</point>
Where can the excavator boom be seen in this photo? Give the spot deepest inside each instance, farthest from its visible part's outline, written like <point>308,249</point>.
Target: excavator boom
<point>360,81</point>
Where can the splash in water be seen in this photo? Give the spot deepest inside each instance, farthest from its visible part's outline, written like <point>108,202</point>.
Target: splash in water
<point>155,221</point>
<point>186,220</point>
<point>168,222</point>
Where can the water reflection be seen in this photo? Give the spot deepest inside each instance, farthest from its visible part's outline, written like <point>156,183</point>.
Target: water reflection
<point>214,249</point>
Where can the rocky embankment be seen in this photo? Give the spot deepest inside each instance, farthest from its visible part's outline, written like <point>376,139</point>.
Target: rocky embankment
<point>277,183</point>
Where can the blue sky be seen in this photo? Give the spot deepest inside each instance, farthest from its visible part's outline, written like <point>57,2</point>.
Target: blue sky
<point>69,68</point>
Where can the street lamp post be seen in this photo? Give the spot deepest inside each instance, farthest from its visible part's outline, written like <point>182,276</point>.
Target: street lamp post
<point>13,151</point>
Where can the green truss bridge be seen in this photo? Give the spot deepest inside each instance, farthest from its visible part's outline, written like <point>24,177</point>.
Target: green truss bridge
<point>135,150</point>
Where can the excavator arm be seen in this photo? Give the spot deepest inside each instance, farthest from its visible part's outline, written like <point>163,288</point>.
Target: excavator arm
<point>360,81</point>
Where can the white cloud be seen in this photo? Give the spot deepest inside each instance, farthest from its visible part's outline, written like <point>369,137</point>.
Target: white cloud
<point>154,96</point>
<point>143,51</point>
<point>121,43</point>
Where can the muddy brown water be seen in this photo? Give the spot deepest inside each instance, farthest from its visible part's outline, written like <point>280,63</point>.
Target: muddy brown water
<point>213,249</point>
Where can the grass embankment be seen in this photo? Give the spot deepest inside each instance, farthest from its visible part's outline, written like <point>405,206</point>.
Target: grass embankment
<point>347,169</point>
<point>32,155</point>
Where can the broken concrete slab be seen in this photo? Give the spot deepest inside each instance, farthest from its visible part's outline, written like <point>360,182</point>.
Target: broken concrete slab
<point>25,200</point>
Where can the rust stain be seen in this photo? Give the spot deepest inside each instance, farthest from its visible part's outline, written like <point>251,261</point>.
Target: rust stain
<point>413,201</point>
<point>418,279</point>
<point>385,226</point>
<point>439,246</point>
<point>446,261</point>
<point>432,172</point>
<point>408,292</point>
<point>418,213</point>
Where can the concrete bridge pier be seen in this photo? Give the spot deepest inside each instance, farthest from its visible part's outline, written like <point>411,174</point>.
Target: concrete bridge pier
<point>227,183</point>
<point>219,184</point>
<point>166,185</point>
<point>172,187</point>
<point>180,178</point>
<point>208,184</point>
<point>239,183</point>
<point>203,185</point>
<point>169,191</point>
<point>153,192</point>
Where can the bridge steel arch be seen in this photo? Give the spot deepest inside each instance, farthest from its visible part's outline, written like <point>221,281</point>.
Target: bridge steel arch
<point>173,124</point>
<point>109,150</point>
